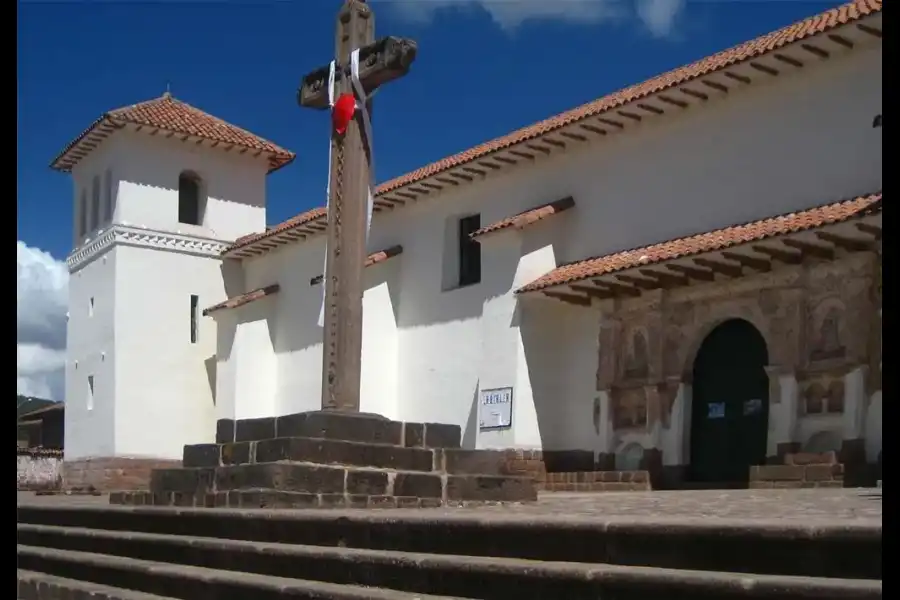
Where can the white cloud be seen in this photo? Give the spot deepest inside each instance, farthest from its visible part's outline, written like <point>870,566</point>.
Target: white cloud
<point>41,300</point>
<point>658,16</point>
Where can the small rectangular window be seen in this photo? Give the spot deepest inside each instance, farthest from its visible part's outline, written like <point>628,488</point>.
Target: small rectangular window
<point>90,393</point>
<point>469,251</point>
<point>109,204</point>
<point>195,321</point>
<point>95,203</point>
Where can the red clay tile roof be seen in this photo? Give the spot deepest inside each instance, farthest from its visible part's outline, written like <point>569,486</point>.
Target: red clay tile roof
<point>371,260</point>
<point>706,242</point>
<point>814,25</point>
<point>523,219</point>
<point>170,114</point>
<point>251,296</point>
<point>820,23</point>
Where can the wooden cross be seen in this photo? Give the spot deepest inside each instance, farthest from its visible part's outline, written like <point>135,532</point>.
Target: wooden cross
<point>379,63</point>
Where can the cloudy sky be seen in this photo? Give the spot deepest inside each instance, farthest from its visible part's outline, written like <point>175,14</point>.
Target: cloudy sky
<point>41,298</point>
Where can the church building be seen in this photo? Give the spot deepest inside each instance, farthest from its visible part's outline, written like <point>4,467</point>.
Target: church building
<point>682,276</point>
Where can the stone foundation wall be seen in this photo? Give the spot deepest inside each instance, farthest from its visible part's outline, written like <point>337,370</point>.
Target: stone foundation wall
<point>572,471</point>
<point>800,470</point>
<point>38,469</point>
<point>112,474</point>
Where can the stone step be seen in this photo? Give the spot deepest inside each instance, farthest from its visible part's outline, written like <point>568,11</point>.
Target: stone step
<point>31,585</point>
<point>313,478</point>
<point>352,427</point>
<point>488,578</point>
<point>313,450</point>
<point>190,582</point>
<point>847,550</point>
<point>455,461</point>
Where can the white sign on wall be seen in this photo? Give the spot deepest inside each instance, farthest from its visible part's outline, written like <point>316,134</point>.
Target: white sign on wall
<point>495,409</point>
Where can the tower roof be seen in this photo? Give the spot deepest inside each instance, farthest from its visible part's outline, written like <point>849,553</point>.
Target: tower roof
<point>170,117</point>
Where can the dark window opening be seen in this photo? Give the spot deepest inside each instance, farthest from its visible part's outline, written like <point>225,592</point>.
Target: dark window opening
<point>469,251</point>
<point>190,202</point>
<point>195,322</point>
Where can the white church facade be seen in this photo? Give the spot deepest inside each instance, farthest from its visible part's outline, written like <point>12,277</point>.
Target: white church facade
<point>683,275</point>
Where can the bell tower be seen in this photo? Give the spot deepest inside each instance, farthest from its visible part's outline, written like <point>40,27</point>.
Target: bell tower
<point>161,189</point>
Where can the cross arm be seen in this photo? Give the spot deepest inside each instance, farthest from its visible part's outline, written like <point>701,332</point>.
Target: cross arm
<point>379,63</point>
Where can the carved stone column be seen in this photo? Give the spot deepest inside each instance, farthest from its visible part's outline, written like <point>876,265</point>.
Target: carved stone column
<point>784,396</point>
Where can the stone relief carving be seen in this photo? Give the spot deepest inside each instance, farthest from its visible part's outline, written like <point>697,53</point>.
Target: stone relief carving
<point>629,408</point>
<point>826,331</point>
<point>637,360</point>
<point>822,395</point>
<point>840,311</point>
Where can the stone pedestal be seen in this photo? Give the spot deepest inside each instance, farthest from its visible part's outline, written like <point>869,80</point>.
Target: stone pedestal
<point>332,459</point>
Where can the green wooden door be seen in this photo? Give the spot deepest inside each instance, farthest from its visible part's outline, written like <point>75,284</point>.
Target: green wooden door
<point>730,404</point>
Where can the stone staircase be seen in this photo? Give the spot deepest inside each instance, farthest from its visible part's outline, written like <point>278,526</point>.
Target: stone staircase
<point>129,553</point>
<point>327,459</point>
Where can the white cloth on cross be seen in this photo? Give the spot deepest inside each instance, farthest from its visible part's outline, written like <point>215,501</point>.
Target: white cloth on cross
<point>361,100</point>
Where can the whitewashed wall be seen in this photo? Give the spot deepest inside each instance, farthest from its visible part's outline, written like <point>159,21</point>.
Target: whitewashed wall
<point>153,388</point>
<point>792,143</point>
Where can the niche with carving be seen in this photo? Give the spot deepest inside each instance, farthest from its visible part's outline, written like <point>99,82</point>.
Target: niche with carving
<point>637,359</point>
<point>629,408</point>
<point>826,340</point>
<point>823,395</point>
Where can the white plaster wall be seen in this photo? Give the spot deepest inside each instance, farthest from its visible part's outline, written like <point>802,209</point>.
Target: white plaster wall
<point>164,390</point>
<point>797,141</point>
<point>36,472</point>
<point>146,173</point>
<point>255,381</point>
<point>91,350</point>
<point>154,389</point>
<point>873,427</point>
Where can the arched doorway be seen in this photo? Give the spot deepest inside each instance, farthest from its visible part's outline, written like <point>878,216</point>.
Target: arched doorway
<point>730,405</point>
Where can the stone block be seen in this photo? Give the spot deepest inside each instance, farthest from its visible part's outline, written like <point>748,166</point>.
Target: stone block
<point>776,473</point>
<point>183,480</point>
<point>351,427</point>
<point>250,430</point>
<point>281,477</point>
<point>458,461</point>
<point>442,435</point>
<point>810,458</point>
<point>822,472</point>
<point>568,461</point>
<point>414,435</point>
<point>324,451</point>
<point>237,453</point>
<point>201,455</point>
<point>420,485</point>
<point>366,482</point>
<point>490,488</point>
<point>224,431</point>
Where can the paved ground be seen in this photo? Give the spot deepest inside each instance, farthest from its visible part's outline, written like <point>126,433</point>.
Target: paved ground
<point>799,506</point>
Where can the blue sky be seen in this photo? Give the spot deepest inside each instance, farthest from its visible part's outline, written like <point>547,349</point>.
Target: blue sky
<point>481,72</point>
<point>485,68</point>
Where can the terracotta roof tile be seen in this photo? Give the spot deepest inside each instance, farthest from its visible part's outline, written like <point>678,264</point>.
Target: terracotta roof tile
<point>523,219</point>
<point>373,259</point>
<point>706,242</point>
<point>820,23</point>
<point>816,24</point>
<point>170,114</point>
<point>251,296</point>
